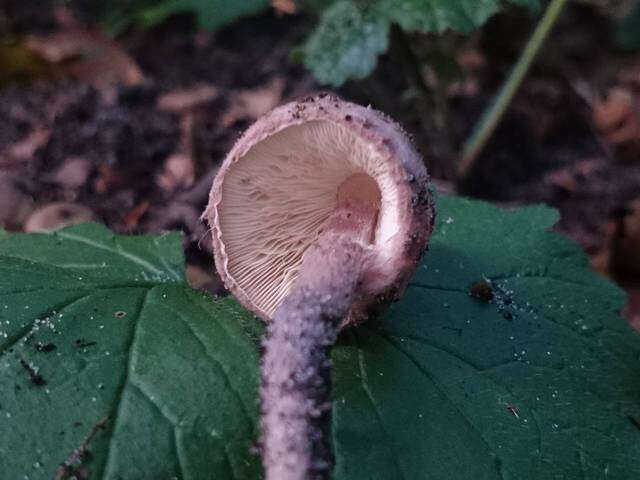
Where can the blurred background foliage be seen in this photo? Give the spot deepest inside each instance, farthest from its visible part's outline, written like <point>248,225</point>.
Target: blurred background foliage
<point>120,110</point>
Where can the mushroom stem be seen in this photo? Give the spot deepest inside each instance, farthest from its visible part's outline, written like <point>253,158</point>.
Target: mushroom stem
<point>296,365</point>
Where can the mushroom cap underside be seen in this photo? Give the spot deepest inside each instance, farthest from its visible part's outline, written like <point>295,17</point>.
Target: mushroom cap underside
<point>279,185</point>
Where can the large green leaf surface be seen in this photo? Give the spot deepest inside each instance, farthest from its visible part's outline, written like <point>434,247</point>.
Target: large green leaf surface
<point>351,33</point>
<point>542,382</point>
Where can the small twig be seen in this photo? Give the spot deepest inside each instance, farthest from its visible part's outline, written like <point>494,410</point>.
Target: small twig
<point>492,116</point>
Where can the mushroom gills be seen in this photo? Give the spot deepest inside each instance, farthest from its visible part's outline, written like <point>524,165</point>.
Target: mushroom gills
<point>298,180</point>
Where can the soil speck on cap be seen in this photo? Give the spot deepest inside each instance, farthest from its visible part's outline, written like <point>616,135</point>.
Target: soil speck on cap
<point>482,290</point>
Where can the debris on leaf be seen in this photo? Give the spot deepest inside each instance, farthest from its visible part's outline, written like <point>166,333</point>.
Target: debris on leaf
<point>35,377</point>
<point>72,467</point>
<point>82,343</point>
<point>482,290</point>
<point>45,347</point>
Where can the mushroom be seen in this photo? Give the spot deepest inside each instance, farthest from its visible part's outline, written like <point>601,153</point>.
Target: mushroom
<point>319,215</point>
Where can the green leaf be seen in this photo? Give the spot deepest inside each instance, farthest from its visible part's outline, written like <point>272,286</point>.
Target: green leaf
<point>540,383</point>
<point>173,372</point>
<point>351,34</point>
<point>346,44</point>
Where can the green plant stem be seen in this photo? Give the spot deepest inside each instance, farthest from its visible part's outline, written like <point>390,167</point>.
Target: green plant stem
<point>492,116</point>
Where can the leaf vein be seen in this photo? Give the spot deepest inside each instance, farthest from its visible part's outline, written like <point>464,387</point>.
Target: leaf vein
<point>365,386</point>
<point>117,250</point>
<point>116,410</point>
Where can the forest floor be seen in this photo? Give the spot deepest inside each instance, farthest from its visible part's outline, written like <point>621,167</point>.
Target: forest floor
<point>130,131</point>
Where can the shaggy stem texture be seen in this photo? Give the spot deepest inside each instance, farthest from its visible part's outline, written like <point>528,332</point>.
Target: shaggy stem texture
<point>296,365</point>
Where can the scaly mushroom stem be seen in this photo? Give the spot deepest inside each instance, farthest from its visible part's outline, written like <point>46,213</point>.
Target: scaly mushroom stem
<point>296,367</point>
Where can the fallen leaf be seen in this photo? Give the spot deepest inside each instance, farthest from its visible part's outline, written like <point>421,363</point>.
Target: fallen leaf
<point>19,64</point>
<point>15,205</point>
<point>252,103</point>
<point>284,7</point>
<point>72,174</point>
<point>24,150</point>
<point>57,215</point>
<point>93,57</point>
<point>132,218</point>
<point>178,172</point>
<point>618,118</point>
<point>181,100</point>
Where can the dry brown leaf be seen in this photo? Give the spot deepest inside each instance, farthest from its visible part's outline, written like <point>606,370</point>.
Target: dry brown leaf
<point>23,150</point>
<point>92,56</point>
<point>15,205</point>
<point>57,215</point>
<point>618,117</point>
<point>197,277</point>
<point>182,100</point>
<point>132,218</point>
<point>284,7</point>
<point>178,172</point>
<point>72,174</point>
<point>253,103</point>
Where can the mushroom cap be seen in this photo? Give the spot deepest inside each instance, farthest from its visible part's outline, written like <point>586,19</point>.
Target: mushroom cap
<point>279,184</point>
